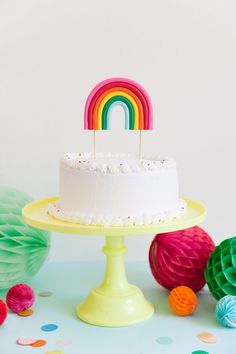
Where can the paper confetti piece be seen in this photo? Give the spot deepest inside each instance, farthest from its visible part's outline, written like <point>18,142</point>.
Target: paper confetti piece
<point>39,343</point>
<point>164,340</point>
<point>49,327</point>
<point>55,352</point>
<point>64,343</point>
<point>45,293</point>
<point>26,341</point>
<point>207,337</point>
<point>200,352</point>
<point>26,313</point>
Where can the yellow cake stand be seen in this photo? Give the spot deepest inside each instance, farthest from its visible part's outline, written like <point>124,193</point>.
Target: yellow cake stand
<point>115,302</point>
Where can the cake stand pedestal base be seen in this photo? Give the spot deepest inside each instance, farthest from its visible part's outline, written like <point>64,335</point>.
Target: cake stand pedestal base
<point>115,303</point>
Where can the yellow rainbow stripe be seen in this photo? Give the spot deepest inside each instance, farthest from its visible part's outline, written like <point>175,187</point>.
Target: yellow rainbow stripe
<point>111,95</point>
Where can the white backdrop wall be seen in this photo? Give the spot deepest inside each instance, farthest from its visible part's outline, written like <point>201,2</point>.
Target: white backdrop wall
<point>52,52</point>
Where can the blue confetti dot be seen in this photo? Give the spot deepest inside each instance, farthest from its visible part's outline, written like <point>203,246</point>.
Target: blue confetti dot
<point>164,340</point>
<point>49,327</point>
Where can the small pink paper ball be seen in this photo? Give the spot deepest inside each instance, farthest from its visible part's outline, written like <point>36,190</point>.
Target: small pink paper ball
<point>3,311</point>
<point>180,258</point>
<point>20,297</point>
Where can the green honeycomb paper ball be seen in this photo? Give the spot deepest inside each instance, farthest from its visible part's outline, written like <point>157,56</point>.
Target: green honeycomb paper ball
<point>220,271</point>
<point>23,248</point>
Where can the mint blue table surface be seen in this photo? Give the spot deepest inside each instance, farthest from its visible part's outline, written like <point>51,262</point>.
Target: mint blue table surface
<point>70,282</point>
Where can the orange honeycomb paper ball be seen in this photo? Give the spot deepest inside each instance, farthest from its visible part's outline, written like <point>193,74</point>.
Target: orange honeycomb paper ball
<point>182,300</point>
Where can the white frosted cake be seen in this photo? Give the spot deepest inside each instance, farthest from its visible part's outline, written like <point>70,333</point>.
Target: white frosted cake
<point>117,189</point>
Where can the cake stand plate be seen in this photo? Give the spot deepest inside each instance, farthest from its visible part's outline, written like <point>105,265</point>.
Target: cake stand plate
<point>35,214</point>
<point>115,302</point>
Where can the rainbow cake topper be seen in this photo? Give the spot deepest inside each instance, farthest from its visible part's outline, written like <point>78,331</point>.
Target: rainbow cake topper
<point>123,92</point>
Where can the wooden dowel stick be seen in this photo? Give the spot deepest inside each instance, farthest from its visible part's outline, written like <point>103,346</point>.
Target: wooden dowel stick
<point>94,144</point>
<point>140,145</point>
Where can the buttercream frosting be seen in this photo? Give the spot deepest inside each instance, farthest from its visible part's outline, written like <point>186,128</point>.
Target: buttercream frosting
<point>117,189</point>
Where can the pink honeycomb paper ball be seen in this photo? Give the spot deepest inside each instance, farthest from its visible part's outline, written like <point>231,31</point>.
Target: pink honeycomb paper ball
<point>20,297</point>
<point>180,258</point>
<point>3,311</point>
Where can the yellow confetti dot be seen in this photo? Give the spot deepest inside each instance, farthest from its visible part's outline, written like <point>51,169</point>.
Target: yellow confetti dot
<point>26,313</point>
<point>207,337</point>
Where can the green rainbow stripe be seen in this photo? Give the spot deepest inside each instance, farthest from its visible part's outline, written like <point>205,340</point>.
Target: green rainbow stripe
<point>107,107</point>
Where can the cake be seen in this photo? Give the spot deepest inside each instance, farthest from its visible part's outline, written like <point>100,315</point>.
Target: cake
<point>117,189</point>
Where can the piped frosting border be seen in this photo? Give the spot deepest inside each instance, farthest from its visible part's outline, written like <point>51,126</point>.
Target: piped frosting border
<point>115,163</point>
<point>55,210</point>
